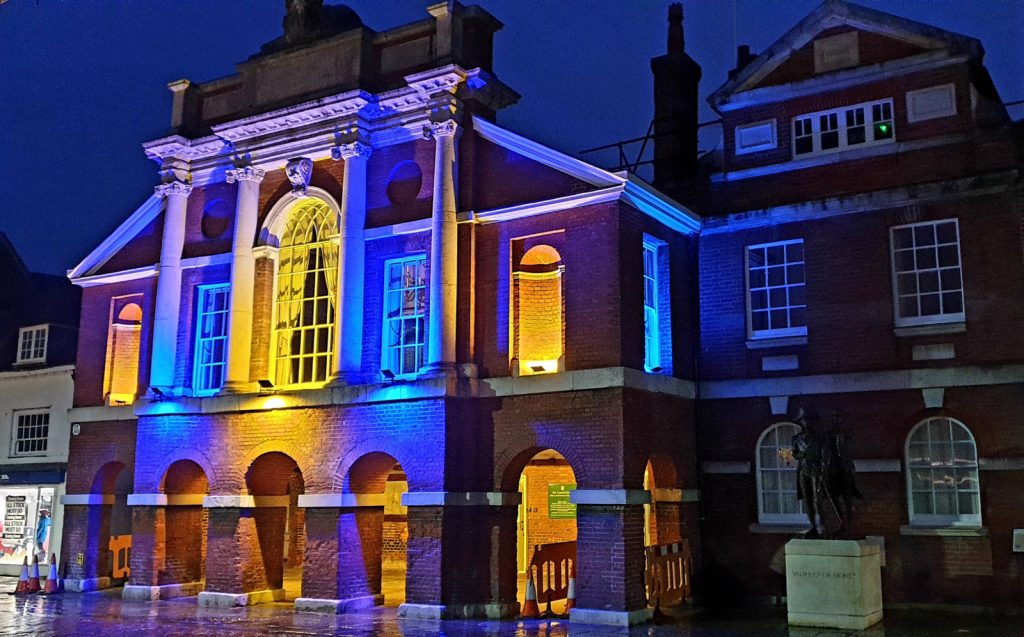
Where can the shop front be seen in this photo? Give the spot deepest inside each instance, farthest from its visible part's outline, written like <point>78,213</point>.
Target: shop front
<point>31,516</point>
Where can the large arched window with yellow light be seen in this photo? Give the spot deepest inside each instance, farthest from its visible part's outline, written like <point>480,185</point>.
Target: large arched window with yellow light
<point>539,317</point>
<point>307,281</point>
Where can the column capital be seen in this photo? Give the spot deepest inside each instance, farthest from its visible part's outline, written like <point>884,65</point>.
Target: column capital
<point>447,128</point>
<point>174,188</point>
<point>353,149</point>
<point>246,173</point>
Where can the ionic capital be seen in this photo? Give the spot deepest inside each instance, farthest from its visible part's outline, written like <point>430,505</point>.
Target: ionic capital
<point>174,189</point>
<point>354,149</point>
<point>447,128</point>
<point>247,173</point>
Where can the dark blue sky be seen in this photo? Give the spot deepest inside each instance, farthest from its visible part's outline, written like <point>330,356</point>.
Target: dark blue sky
<point>83,83</point>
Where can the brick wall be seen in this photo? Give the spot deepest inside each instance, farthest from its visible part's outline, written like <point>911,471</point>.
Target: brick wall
<point>978,571</point>
<point>849,291</point>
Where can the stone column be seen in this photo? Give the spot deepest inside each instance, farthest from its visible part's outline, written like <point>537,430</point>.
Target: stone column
<point>610,557</point>
<point>243,273</point>
<point>460,555</point>
<point>443,253</point>
<point>244,550</point>
<point>344,535</point>
<point>348,330</point>
<point>168,285</point>
<point>85,552</point>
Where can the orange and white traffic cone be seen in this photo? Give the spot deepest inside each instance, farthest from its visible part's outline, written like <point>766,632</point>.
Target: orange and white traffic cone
<point>22,588</point>
<point>530,608</point>
<point>51,586</point>
<point>33,579</point>
<point>570,596</point>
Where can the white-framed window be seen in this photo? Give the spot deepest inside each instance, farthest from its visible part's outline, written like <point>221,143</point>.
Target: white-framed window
<point>211,339</point>
<point>942,474</point>
<point>405,301</point>
<point>307,290</point>
<point>776,304</point>
<point>926,277</point>
<point>777,501</point>
<point>32,344</point>
<point>840,129</point>
<point>31,432</point>
<point>652,325</point>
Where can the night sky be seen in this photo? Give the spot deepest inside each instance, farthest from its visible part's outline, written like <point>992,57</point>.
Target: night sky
<point>83,83</point>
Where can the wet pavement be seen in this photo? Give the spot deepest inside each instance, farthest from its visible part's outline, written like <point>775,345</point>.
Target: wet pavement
<point>103,613</point>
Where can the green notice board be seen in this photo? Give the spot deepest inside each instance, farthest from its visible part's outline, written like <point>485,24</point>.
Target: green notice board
<point>559,507</point>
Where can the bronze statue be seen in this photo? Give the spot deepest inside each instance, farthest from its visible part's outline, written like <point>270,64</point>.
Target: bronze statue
<point>824,474</point>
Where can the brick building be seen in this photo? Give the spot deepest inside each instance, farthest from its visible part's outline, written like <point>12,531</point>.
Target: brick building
<point>350,283</point>
<point>362,328</point>
<point>861,253</point>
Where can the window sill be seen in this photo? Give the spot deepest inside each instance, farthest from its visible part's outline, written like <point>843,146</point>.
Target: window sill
<point>781,529</point>
<point>777,341</point>
<point>955,327</point>
<point>944,531</point>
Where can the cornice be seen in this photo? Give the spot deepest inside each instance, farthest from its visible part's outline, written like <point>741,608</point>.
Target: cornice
<point>331,108</point>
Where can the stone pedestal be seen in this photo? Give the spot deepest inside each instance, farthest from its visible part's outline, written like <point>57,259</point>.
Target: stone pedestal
<point>833,583</point>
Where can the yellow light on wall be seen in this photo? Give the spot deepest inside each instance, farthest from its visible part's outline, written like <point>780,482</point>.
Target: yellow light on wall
<point>274,402</point>
<point>527,368</point>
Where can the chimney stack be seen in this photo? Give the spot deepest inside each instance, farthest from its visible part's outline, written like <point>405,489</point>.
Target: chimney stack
<point>676,78</point>
<point>743,58</point>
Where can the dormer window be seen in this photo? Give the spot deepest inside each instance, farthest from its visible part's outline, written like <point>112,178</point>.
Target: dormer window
<point>32,344</point>
<point>843,128</point>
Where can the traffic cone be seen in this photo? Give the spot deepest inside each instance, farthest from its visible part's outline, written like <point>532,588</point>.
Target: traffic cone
<point>570,596</point>
<point>51,586</point>
<point>33,580</point>
<point>22,588</point>
<point>530,608</point>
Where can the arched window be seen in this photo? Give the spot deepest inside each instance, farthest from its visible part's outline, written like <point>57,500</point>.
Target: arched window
<point>942,474</point>
<point>777,501</point>
<point>307,289</point>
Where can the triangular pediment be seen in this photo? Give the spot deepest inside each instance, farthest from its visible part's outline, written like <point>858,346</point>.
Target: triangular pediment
<point>840,37</point>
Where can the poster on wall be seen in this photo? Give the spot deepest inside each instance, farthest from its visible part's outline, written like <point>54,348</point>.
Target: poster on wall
<point>559,507</point>
<point>15,516</point>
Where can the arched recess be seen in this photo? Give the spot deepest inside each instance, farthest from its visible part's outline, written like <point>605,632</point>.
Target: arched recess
<point>275,482</point>
<point>185,484</point>
<point>110,523</point>
<point>374,532</point>
<point>545,521</point>
<point>663,522</point>
<point>538,312</point>
<point>121,377</point>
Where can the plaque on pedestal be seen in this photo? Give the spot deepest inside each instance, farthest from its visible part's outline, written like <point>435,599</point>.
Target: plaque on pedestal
<point>833,583</point>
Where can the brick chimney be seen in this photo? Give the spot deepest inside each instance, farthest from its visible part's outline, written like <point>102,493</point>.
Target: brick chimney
<point>676,77</point>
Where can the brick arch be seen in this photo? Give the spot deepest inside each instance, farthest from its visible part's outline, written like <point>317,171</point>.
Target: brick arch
<point>357,453</point>
<point>272,473</point>
<point>193,456</point>
<point>298,456</point>
<point>106,478</point>
<point>510,464</point>
<point>184,476</point>
<point>369,473</point>
<point>664,472</point>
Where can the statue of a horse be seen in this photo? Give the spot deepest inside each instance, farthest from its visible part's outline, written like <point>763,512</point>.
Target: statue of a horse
<point>825,476</point>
